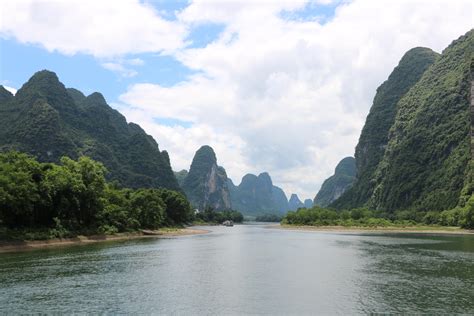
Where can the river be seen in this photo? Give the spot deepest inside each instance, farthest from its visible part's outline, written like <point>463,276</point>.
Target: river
<point>246,269</point>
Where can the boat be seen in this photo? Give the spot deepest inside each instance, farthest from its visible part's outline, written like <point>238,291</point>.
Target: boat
<point>151,232</point>
<point>228,223</point>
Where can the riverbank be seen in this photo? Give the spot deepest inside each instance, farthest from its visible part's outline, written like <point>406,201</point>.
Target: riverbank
<point>368,230</point>
<point>16,246</point>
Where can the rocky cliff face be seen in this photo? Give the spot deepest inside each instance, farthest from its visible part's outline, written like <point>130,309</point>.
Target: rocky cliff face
<point>49,121</point>
<point>257,195</point>
<point>308,203</point>
<point>334,186</point>
<point>206,183</point>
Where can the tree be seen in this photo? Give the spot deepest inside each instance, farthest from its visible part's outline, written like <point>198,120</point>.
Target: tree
<point>19,176</point>
<point>148,207</point>
<point>178,208</point>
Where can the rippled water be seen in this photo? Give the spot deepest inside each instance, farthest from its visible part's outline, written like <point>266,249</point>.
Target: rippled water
<point>246,269</point>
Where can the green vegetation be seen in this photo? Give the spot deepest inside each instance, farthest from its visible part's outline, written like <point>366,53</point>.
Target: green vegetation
<point>375,134</point>
<point>211,216</point>
<point>334,186</point>
<point>363,217</point>
<point>49,121</point>
<point>426,163</point>
<point>415,154</point>
<point>47,200</point>
<point>273,218</point>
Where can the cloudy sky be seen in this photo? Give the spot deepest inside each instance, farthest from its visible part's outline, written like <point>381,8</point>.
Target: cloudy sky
<point>277,86</point>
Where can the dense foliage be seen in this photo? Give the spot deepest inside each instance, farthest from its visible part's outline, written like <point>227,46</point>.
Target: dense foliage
<point>210,215</point>
<point>426,162</point>
<point>269,218</point>
<point>422,162</point>
<point>49,121</point>
<point>317,216</point>
<point>206,183</point>
<point>375,133</point>
<point>74,196</point>
<point>257,194</point>
<point>334,186</point>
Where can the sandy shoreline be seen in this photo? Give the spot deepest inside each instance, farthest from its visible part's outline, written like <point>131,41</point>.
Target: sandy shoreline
<point>368,230</point>
<point>16,246</point>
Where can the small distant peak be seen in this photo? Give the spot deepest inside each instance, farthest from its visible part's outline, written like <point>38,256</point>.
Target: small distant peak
<point>265,177</point>
<point>206,148</point>
<point>76,95</point>
<point>249,177</point>
<point>295,202</point>
<point>206,152</point>
<point>44,83</point>
<point>96,98</point>
<point>45,74</point>
<point>294,196</point>
<point>44,77</point>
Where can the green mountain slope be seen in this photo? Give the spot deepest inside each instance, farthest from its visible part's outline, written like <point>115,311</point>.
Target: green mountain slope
<point>334,186</point>
<point>206,183</point>
<point>426,163</point>
<point>49,121</point>
<point>374,136</point>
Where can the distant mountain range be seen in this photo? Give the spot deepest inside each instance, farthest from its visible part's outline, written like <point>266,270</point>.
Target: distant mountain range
<point>206,185</point>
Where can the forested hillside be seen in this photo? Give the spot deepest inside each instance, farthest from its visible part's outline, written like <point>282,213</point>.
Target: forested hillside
<point>374,136</point>
<point>49,121</point>
<point>426,165</point>
<point>422,161</point>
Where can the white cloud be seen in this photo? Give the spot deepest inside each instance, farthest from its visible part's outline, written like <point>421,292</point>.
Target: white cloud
<point>288,97</point>
<point>119,69</point>
<point>123,67</point>
<point>135,62</point>
<point>101,28</point>
<point>12,90</point>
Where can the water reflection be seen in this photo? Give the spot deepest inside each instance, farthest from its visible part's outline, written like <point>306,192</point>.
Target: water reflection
<point>418,274</point>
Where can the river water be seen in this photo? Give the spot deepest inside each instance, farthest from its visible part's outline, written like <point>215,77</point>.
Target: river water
<point>246,269</point>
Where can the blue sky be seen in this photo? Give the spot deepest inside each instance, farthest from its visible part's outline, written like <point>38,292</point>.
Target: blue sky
<point>84,72</point>
<point>276,86</point>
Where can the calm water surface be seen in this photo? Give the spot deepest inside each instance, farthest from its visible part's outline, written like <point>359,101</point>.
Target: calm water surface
<point>246,269</point>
